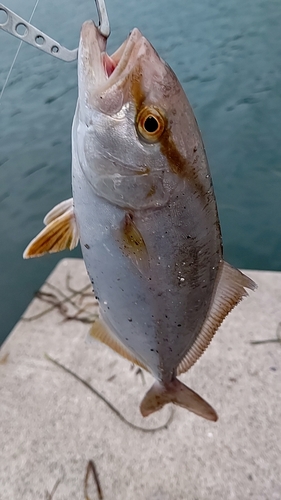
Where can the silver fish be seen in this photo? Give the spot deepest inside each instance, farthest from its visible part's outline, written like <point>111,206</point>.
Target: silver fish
<point>145,212</point>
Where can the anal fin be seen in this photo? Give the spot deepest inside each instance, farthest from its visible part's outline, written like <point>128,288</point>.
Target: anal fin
<point>60,233</point>
<point>230,290</point>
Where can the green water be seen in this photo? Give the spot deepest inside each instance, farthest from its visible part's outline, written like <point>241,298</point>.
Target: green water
<point>227,55</point>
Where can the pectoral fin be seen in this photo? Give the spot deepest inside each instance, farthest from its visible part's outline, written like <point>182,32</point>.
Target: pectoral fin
<point>58,210</point>
<point>177,393</point>
<point>132,244</point>
<point>100,331</point>
<point>60,233</point>
<point>230,290</point>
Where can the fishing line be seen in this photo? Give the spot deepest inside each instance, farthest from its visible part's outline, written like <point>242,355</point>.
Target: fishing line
<point>17,53</point>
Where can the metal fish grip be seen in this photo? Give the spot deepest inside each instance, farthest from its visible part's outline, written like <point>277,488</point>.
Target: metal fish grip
<point>26,32</point>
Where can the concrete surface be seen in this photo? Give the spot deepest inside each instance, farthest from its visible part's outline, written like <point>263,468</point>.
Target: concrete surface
<point>52,425</point>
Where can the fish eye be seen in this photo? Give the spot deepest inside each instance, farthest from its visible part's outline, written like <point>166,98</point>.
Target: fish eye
<point>150,123</point>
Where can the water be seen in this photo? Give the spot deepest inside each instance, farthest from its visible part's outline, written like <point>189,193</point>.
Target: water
<point>227,56</point>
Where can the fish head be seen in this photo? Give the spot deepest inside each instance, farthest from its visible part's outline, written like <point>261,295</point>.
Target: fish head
<point>137,138</point>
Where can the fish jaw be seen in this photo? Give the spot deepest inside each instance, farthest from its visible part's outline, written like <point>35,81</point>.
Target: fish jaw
<point>99,73</point>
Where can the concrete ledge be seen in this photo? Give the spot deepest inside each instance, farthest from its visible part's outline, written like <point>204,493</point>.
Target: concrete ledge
<point>51,425</point>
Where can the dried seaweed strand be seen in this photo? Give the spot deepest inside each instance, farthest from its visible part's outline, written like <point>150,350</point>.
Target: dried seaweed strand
<point>92,468</point>
<point>110,405</point>
<point>64,295</point>
<point>49,309</point>
<point>51,298</point>
<point>266,341</point>
<point>269,341</point>
<point>50,496</point>
<point>84,319</point>
<point>73,290</point>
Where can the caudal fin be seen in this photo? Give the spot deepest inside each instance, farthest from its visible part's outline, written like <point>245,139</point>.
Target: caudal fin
<point>175,392</point>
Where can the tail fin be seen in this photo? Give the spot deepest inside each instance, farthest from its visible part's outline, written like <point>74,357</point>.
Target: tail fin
<point>175,392</point>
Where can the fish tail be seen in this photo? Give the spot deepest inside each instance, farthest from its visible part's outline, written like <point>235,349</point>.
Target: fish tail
<point>175,392</point>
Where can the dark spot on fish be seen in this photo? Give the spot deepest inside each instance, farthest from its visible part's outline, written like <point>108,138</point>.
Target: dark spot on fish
<point>130,319</point>
<point>86,246</point>
<point>195,149</point>
<point>179,324</point>
<point>152,350</point>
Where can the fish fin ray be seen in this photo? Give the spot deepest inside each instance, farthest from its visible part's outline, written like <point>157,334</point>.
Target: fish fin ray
<point>61,233</point>
<point>230,290</point>
<point>133,244</point>
<point>58,210</point>
<point>100,331</point>
<point>179,394</point>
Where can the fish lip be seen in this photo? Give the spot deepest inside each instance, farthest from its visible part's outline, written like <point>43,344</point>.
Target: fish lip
<point>103,70</point>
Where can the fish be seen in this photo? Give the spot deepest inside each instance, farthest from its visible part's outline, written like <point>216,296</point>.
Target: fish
<point>145,213</point>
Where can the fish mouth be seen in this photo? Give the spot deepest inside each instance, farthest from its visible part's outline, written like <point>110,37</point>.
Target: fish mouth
<point>98,69</point>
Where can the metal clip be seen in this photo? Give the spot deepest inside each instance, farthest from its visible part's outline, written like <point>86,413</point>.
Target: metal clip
<point>23,30</point>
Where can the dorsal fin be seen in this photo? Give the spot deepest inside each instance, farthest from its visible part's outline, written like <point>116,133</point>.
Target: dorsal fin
<point>231,288</point>
<point>100,331</point>
<point>60,233</point>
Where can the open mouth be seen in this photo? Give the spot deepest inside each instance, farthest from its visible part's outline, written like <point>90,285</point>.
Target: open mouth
<point>104,69</point>
<point>116,64</point>
<point>109,64</point>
